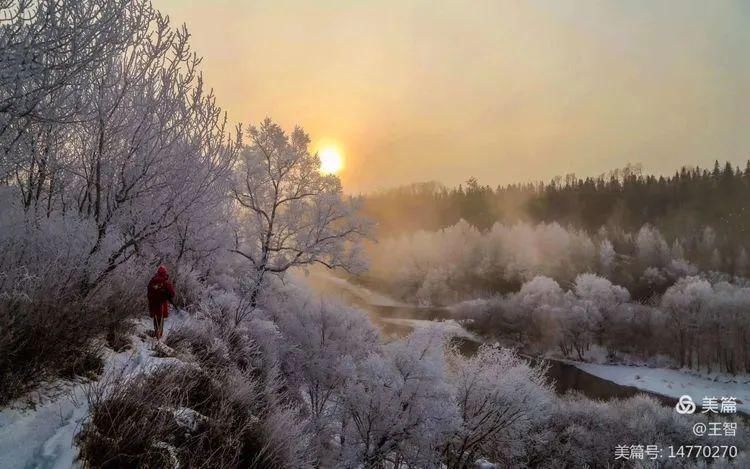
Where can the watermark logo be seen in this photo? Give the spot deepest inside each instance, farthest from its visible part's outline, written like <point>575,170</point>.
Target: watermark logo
<point>685,405</point>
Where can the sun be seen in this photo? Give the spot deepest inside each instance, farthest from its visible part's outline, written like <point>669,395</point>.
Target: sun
<point>331,160</point>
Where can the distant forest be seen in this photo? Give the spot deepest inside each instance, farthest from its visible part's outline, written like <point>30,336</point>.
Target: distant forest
<point>652,263</point>
<point>624,199</point>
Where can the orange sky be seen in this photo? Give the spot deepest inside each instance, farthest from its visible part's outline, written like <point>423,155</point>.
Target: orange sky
<point>506,91</point>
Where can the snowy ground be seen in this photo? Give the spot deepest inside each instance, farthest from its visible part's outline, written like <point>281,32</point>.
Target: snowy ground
<point>450,327</point>
<point>42,437</point>
<point>365,295</point>
<point>674,383</point>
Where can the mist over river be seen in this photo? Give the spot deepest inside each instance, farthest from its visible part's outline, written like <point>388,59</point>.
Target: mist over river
<point>398,319</point>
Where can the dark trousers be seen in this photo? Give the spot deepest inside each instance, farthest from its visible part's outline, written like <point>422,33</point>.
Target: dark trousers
<point>158,325</point>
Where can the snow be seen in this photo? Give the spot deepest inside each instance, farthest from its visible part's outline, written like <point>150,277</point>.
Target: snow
<point>450,327</point>
<point>484,464</point>
<point>188,418</point>
<point>42,436</point>
<point>172,453</point>
<point>365,295</point>
<point>674,383</point>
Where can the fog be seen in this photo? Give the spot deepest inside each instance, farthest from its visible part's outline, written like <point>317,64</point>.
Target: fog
<point>180,287</point>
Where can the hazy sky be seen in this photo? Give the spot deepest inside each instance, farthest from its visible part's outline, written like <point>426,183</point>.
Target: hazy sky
<point>505,91</point>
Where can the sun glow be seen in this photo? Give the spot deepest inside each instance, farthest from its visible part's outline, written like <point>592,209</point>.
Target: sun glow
<point>331,160</point>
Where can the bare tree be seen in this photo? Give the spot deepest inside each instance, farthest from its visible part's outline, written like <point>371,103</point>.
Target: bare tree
<point>292,215</point>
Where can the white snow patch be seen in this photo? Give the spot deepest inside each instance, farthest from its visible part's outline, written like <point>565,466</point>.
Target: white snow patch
<point>484,464</point>
<point>188,418</point>
<point>42,437</point>
<point>175,462</point>
<point>674,383</point>
<point>449,326</point>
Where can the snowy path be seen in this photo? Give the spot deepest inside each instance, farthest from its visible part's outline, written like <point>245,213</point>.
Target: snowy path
<point>43,437</point>
<point>673,383</point>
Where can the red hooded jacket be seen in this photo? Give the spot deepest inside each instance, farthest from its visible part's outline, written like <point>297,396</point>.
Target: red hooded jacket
<point>160,293</point>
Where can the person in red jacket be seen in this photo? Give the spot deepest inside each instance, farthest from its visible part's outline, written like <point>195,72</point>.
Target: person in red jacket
<point>160,294</point>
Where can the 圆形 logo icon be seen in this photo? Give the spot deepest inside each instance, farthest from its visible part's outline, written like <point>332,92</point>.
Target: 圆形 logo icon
<point>685,405</point>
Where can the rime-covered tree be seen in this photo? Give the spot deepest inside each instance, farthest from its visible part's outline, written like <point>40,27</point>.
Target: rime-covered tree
<point>290,213</point>
<point>105,119</point>
<point>111,149</point>
<point>397,405</point>
<point>499,398</point>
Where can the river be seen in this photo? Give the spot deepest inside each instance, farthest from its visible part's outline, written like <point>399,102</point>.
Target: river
<point>392,317</point>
